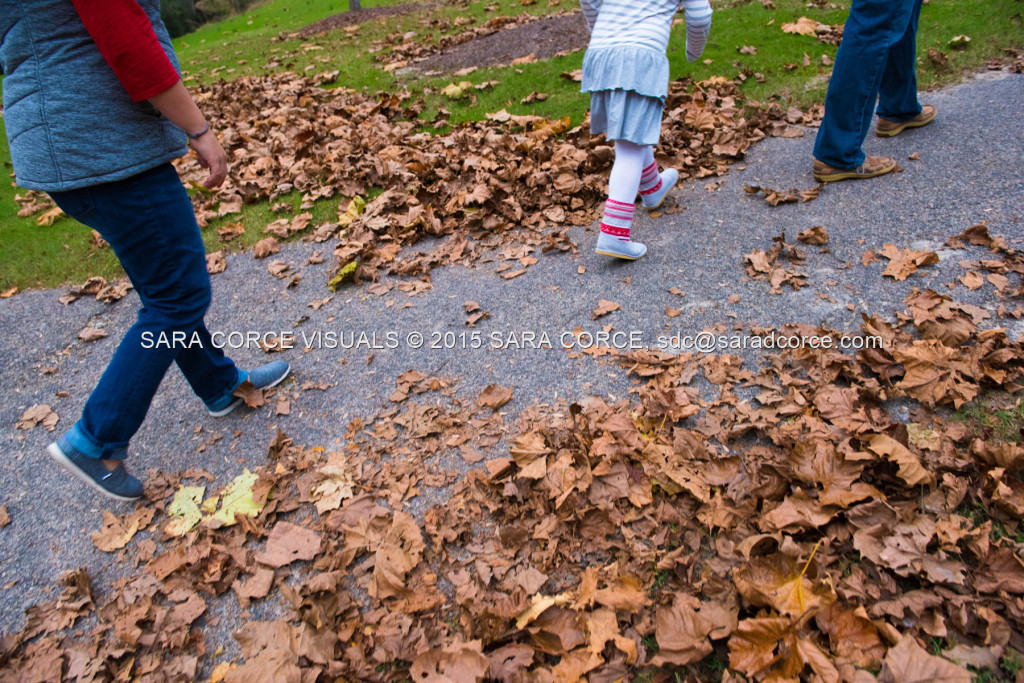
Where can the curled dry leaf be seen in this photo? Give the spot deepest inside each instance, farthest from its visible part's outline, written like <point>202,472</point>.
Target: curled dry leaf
<point>38,415</point>
<point>289,543</point>
<point>91,334</point>
<point>815,235</point>
<point>216,263</point>
<point>604,307</point>
<point>495,397</point>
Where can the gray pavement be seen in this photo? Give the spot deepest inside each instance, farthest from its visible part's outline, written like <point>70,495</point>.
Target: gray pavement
<point>969,171</point>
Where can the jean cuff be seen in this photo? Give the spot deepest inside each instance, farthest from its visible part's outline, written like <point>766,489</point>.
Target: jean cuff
<point>78,440</point>
<point>898,118</point>
<point>227,396</point>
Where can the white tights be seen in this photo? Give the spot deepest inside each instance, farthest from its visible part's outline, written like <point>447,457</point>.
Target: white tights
<point>630,161</point>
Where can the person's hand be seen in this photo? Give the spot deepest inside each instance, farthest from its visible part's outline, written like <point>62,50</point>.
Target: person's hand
<point>696,39</point>
<point>212,156</point>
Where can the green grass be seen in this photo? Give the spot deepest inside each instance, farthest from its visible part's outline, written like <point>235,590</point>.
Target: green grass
<point>995,417</point>
<point>251,43</point>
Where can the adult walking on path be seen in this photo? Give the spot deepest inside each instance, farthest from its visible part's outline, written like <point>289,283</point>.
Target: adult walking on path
<point>876,61</point>
<point>95,111</point>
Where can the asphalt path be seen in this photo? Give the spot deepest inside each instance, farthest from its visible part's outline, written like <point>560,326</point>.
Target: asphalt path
<point>969,171</point>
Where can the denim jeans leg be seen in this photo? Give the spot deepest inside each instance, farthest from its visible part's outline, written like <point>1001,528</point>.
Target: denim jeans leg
<point>897,94</point>
<point>148,221</point>
<point>210,373</point>
<point>870,30</point>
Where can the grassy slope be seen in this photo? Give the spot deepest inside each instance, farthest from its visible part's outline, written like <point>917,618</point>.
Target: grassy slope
<point>250,43</point>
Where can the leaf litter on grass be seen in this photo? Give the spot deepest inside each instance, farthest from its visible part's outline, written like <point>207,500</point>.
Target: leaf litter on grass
<point>510,180</point>
<point>804,532</point>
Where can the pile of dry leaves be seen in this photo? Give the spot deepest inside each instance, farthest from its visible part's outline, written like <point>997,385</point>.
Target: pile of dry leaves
<point>518,180</point>
<point>814,518</point>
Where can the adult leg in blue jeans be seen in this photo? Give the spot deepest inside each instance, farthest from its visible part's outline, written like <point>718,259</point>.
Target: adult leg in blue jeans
<point>877,55</point>
<point>148,221</point>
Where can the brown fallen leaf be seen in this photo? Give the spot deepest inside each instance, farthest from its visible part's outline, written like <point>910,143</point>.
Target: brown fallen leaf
<point>815,235</point>
<point>230,231</point>
<point>266,247</point>
<point>38,415</point>
<point>682,634</point>
<point>5,517</point>
<point>253,397</point>
<point>91,334</point>
<point>289,543</point>
<point>908,662</point>
<point>257,586</point>
<point>216,263</point>
<point>802,26</point>
<point>495,396</point>
<point>118,531</point>
<point>904,263</point>
<point>604,307</point>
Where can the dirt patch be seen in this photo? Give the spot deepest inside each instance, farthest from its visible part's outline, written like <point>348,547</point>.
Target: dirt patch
<point>543,38</point>
<point>352,18</point>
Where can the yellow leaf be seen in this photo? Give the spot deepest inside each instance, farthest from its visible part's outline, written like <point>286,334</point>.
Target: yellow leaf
<point>355,208</point>
<point>184,510</point>
<point>349,269</point>
<point>237,498</point>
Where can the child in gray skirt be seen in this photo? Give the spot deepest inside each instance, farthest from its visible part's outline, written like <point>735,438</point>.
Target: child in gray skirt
<point>625,70</point>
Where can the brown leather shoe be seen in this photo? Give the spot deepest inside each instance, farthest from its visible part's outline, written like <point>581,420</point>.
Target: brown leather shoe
<point>871,168</point>
<point>887,128</point>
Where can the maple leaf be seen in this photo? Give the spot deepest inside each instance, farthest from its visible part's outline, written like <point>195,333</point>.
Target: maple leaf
<point>335,485</point>
<point>529,452</point>
<point>38,415</point>
<point>289,543</point>
<point>815,235</point>
<point>904,263</point>
<point>934,373</point>
<point>396,556</point>
<point>184,513</point>
<point>802,26</point>
<point>908,662</point>
<point>495,397</point>
<point>238,498</point>
<point>682,634</point>
<point>604,307</point>
<point>265,247</point>
<point>781,582</point>
<point>457,662</point>
<point>911,470</point>
<point>117,532</point>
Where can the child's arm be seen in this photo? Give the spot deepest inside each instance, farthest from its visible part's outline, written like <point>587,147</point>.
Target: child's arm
<point>698,25</point>
<point>590,9</point>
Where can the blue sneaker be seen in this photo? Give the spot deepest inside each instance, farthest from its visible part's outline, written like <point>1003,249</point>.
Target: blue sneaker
<point>263,377</point>
<point>115,483</point>
<point>669,178</point>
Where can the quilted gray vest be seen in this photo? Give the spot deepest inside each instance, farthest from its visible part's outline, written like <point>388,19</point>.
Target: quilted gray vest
<point>69,122</point>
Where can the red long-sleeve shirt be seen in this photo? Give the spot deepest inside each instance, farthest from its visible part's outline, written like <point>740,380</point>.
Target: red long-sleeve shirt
<point>124,35</point>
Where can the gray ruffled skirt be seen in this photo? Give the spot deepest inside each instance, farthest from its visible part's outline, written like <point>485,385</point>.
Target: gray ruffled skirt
<point>627,87</point>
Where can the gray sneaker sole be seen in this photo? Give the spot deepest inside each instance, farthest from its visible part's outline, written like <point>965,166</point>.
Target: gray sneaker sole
<point>237,402</point>
<point>58,455</point>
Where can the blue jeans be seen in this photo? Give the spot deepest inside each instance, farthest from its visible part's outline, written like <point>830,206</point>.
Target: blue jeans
<point>149,223</point>
<point>876,60</point>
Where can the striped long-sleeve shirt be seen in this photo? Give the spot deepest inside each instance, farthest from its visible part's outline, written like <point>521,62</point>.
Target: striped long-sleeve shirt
<point>643,23</point>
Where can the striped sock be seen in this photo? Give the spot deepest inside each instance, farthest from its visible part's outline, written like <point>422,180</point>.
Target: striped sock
<point>650,180</point>
<point>618,218</point>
